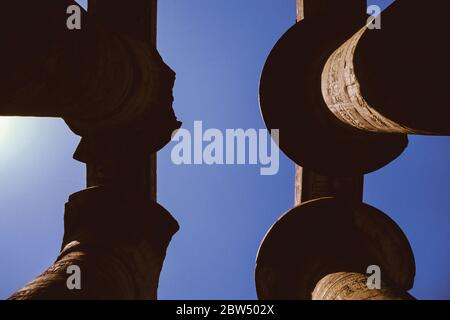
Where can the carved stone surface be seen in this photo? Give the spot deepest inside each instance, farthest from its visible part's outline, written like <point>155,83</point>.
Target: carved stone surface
<point>342,93</point>
<point>353,286</point>
<point>310,185</point>
<point>393,79</point>
<point>291,97</point>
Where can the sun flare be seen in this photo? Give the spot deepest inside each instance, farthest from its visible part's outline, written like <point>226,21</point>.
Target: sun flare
<point>5,123</point>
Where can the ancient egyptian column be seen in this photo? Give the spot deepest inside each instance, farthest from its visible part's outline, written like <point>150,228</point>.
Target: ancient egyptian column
<point>330,246</point>
<point>111,86</point>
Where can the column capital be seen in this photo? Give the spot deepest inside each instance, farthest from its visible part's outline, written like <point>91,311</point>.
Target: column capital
<point>326,236</point>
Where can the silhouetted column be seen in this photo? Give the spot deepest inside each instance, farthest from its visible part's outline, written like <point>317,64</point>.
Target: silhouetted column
<point>138,20</point>
<point>323,248</point>
<point>310,185</point>
<point>115,233</point>
<point>117,239</point>
<point>91,75</point>
<point>291,97</point>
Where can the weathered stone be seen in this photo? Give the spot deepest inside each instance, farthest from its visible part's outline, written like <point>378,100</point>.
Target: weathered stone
<point>118,240</point>
<point>291,98</point>
<point>95,78</point>
<point>326,236</point>
<point>393,79</point>
<point>112,87</point>
<point>353,286</point>
<point>310,185</point>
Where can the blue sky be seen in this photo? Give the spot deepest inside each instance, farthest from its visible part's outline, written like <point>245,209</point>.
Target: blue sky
<point>218,49</point>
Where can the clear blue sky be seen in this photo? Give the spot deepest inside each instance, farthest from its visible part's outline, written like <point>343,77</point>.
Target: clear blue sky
<point>218,49</point>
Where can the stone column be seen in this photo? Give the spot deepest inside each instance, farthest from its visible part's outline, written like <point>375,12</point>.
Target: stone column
<point>374,82</point>
<point>291,99</point>
<point>310,185</point>
<point>115,234</point>
<point>117,239</point>
<point>326,247</point>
